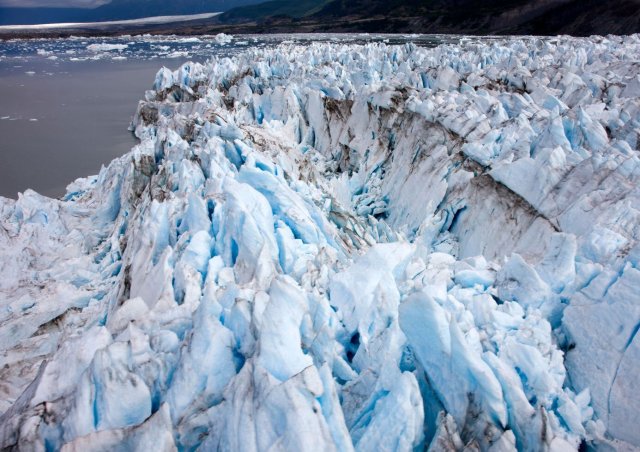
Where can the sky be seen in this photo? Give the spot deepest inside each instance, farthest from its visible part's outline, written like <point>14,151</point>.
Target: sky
<point>53,3</point>
<point>26,12</point>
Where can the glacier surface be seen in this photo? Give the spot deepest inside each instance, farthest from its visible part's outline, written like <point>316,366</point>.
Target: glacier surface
<point>342,247</point>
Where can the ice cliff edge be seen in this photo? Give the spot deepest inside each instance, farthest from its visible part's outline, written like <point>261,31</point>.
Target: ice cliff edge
<point>340,247</point>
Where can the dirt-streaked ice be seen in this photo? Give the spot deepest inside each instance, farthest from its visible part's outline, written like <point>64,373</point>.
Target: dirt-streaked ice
<point>342,247</point>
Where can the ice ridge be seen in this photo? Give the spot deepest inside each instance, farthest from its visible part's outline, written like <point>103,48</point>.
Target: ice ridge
<point>342,247</point>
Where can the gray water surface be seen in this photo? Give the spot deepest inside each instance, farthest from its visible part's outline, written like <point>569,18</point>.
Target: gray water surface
<point>66,121</point>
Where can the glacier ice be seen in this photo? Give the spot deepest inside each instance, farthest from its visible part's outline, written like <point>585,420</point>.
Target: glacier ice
<point>342,247</point>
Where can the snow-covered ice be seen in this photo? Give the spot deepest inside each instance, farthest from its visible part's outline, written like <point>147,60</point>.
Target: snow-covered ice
<point>342,247</point>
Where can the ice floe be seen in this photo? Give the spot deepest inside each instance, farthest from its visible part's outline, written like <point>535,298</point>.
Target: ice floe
<point>102,47</point>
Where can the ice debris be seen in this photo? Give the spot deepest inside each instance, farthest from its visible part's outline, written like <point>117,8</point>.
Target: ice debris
<point>342,247</point>
<point>103,47</point>
<point>223,38</point>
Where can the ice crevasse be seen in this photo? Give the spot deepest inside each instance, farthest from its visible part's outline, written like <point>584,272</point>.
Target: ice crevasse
<point>342,247</point>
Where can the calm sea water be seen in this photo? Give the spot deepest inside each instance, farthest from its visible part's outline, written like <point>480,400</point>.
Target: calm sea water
<point>66,104</point>
<point>65,125</point>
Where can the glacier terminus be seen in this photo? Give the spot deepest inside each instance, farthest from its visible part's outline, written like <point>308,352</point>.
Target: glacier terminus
<point>343,247</point>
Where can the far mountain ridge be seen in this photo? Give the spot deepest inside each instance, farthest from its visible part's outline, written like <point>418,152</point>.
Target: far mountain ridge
<point>474,17</point>
<point>537,17</point>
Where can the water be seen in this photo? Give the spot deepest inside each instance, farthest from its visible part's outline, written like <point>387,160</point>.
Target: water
<point>65,125</point>
<point>66,104</point>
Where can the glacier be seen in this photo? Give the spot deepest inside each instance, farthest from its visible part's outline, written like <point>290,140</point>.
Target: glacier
<point>342,247</point>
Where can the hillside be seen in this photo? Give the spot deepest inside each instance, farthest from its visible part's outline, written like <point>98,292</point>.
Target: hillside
<point>505,17</point>
<point>275,8</point>
<point>539,17</point>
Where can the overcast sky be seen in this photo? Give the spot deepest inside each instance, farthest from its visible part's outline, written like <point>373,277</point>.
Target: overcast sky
<point>53,3</point>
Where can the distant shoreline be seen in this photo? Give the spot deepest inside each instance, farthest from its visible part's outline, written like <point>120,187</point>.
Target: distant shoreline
<point>210,24</point>
<point>147,25</point>
<point>154,20</point>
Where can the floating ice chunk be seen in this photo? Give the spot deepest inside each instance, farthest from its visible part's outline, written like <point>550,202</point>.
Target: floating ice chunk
<point>103,47</point>
<point>222,38</point>
<point>178,54</point>
<point>189,40</point>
